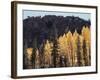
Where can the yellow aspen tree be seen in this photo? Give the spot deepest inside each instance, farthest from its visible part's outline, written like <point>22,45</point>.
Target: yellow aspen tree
<point>70,48</point>
<point>29,57</point>
<point>62,45</point>
<point>86,34</point>
<point>77,49</point>
<point>29,52</point>
<point>47,53</point>
<point>75,39</point>
<point>65,45</point>
<point>88,45</point>
<point>87,39</point>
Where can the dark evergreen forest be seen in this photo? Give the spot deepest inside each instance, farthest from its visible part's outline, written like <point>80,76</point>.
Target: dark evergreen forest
<point>48,26</point>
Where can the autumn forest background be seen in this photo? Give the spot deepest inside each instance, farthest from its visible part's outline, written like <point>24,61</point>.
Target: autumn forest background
<point>56,41</point>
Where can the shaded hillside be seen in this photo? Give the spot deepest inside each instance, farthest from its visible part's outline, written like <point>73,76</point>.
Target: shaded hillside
<point>49,27</point>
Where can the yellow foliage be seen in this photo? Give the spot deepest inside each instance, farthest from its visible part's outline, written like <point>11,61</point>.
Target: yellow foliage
<point>47,52</point>
<point>62,43</point>
<point>69,37</point>
<point>86,34</point>
<point>29,52</point>
<point>75,37</point>
<point>48,48</point>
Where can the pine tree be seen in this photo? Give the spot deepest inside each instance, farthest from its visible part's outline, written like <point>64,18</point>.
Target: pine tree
<point>85,52</point>
<point>55,53</point>
<point>55,46</point>
<point>42,58</point>
<point>33,57</point>
<point>79,54</point>
<point>25,58</point>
